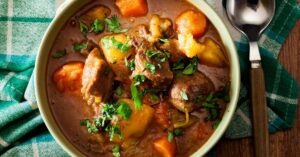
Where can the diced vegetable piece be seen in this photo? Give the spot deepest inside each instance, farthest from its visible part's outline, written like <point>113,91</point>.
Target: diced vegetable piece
<point>99,12</point>
<point>157,27</point>
<point>138,122</point>
<point>164,147</point>
<point>115,47</point>
<point>212,55</point>
<point>189,46</point>
<point>133,8</point>
<point>68,77</point>
<point>191,22</point>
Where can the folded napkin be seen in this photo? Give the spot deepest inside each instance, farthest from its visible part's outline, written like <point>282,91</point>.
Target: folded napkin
<point>22,25</point>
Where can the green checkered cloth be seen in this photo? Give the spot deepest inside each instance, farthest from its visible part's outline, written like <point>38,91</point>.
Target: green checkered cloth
<point>22,25</point>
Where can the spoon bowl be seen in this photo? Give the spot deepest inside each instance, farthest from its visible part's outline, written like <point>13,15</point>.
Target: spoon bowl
<point>251,17</point>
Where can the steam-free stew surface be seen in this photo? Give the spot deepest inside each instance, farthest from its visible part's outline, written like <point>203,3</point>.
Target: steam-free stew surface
<point>168,104</point>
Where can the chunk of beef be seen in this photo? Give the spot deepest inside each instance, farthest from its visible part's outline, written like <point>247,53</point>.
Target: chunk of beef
<point>192,86</point>
<point>97,79</point>
<point>161,77</point>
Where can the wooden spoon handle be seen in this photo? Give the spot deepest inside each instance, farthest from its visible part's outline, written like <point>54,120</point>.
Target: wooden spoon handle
<point>259,110</point>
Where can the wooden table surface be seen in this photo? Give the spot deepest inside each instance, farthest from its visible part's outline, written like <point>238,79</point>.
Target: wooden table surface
<point>284,143</point>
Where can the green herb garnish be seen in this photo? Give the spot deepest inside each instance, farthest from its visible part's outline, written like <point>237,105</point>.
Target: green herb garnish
<point>114,24</point>
<point>191,68</point>
<point>184,95</point>
<point>119,91</point>
<point>112,130</point>
<point>130,65</point>
<point>124,110</point>
<point>91,127</point>
<point>111,41</point>
<point>138,79</point>
<point>178,132</point>
<point>79,46</point>
<point>163,40</point>
<point>116,151</point>
<point>154,98</point>
<point>137,97</point>
<point>150,67</point>
<point>59,54</point>
<point>178,65</point>
<point>97,26</point>
<point>170,136</point>
<point>83,27</point>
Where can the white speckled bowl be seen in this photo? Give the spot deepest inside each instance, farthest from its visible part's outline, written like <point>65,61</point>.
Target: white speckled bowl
<point>67,10</point>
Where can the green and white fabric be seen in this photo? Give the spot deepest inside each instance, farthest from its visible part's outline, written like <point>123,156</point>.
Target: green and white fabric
<point>22,25</point>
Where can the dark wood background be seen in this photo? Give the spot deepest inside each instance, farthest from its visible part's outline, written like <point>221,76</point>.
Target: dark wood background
<point>285,143</point>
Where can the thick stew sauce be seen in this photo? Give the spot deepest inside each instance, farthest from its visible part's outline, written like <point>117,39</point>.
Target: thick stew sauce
<point>138,78</point>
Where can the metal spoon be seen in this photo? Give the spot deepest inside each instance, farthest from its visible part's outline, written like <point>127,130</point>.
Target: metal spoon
<point>251,17</point>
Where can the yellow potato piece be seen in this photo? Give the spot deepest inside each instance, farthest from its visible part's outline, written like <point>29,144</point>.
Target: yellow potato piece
<point>189,45</point>
<point>157,27</point>
<point>112,54</point>
<point>212,55</point>
<point>138,122</point>
<point>99,12</point>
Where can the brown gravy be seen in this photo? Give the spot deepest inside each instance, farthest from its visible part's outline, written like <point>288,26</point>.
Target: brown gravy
<point>69,109</point>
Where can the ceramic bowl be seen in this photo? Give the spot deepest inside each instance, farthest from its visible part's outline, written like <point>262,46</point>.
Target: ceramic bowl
<point>67,10</point>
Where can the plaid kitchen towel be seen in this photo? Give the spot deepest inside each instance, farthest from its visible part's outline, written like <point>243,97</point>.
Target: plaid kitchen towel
<point>22,25</point>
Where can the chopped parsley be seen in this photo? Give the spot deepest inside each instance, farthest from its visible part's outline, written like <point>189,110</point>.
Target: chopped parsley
<point>152,54</point>
<point>154,98</point>
<point>97,26</point>
<point>138,79</point>
<point>124,110</point>
<point>150,67</point>
<point>185,66</point>
<point>158,56</point>
<point>112,130</point>
<point>170,136</point>
<point>183,95</point>
<point>116,151</point>
<point>91,127</point>
<point>59,54</point>
<point>79,46</point>
<point>118,91</point>
<point>114,24</point>
<point>163,40</point>
<point>178,65</point>
<point>137,97</point>
<point>176,132</point>
<point>108,42</point>
<point>191,68</point>
<point>130,65</point>
<point>83,27</point>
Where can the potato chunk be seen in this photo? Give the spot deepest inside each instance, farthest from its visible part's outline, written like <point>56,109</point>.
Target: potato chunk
<point>189,46</point>
<point>138,122</point>
<point>191,22</point>
<point>68,77</point>
<point>116,48</point>
<point>158,26</point>
<point>97,78</point>
<point>98,12</point>
<point>133,8</point>
<point>212,55</point>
